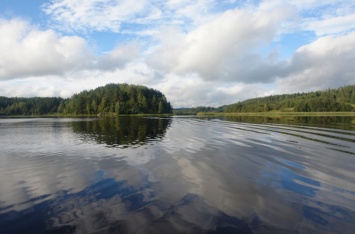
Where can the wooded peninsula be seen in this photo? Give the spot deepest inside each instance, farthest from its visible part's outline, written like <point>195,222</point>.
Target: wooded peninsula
<point>121,99</point>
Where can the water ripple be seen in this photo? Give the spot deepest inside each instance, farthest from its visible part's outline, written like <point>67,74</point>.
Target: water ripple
<point>191,175</point>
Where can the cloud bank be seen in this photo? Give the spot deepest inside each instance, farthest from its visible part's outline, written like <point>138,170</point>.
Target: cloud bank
<point>27,51</point>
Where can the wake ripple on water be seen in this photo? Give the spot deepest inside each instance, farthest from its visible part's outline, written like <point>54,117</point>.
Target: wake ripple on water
<point>311,168</point>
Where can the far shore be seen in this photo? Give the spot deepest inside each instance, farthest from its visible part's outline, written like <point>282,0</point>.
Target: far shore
<point>200,114</point>
<point>275,114</point>
<point>83,116</point>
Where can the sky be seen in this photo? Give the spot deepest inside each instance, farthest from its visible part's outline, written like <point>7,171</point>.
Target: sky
<point>198,53</point>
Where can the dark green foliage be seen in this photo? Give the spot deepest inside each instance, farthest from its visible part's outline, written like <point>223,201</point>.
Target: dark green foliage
<point>112,99</point>
<point>116,99</point>
<point>29,106</point>
<point>321,101</point>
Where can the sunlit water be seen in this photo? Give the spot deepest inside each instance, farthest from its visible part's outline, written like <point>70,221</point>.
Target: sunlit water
<point>177,175</point>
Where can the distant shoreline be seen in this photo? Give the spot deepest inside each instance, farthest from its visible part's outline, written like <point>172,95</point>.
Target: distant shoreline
<point>83,116</point>
<point>275,114</point>
<point>200,114</point>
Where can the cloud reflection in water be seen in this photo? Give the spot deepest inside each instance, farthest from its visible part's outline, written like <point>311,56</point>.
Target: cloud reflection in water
<point>150,175</point>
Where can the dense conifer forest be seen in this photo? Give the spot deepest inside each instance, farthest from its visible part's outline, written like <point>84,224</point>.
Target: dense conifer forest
<point>29,106</point>
<point>117,99</point>
<point>112,99</point>
<point>330,100</point>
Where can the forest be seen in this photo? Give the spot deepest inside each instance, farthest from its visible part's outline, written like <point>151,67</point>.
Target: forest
<point>109,100</point>
<point>330,100</point>
<point>118,99</point>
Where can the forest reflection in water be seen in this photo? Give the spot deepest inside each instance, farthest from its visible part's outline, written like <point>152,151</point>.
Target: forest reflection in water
<point>176,175</point>
<point>340,122</point>
<point>123,131</point>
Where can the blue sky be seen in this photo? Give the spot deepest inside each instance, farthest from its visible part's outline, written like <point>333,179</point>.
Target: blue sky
<point>202,52</point>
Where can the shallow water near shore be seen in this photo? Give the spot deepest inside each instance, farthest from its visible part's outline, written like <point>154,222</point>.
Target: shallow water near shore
<point>177,175</point>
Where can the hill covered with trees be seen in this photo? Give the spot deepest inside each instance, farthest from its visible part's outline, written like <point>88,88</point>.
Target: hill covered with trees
<point>112,99</point>
<point>330,100</point>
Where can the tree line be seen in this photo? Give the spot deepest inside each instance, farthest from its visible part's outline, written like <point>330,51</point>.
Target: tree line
<point>330,100</point>
<point>29,106</point>
<point>117,99</point>
<point>112,99</point>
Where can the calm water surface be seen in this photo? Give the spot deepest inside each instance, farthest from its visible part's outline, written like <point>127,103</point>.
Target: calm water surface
<point>177,175</point>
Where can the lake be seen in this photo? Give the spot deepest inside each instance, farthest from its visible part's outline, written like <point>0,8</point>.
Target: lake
<point>177,175</point>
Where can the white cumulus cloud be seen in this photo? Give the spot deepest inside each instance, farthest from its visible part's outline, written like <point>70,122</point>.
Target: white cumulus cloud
<point>118,57</point>
<point>27,51</point>
<point>324,63</point>
<point>222,48</point>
